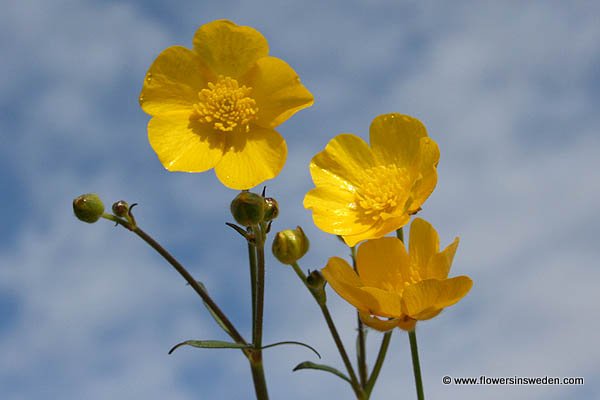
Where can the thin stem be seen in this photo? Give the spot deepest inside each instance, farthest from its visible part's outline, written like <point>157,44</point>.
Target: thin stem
<point>235,335</point>
<point>414,351</point>
<point>258,376</point>
<point>336,337</point>
<point>256,364</point>
<point>361,354</point>
<point>252,264</point>
<point>385,343</point>
<point>260,286</point>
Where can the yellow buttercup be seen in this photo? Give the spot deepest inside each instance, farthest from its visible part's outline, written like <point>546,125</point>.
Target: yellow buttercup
<point>396,288</point>
<point>216,105</point>
<point>365,192</point>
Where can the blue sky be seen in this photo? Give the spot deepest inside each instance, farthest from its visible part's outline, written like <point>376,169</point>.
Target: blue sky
<point>509,90</point>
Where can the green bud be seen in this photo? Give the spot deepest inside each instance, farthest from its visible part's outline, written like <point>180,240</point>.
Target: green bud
<point>271,209</point>
<point>248,208</point>
<point>316,284</point>
<point>88,207</point>
<point>121,209</point>
<point>315,279</point>
<point>290,245</point>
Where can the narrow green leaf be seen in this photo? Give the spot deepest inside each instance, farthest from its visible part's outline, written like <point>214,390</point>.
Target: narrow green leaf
<point>321,367</point>
<point>218,320</point>
<point>292,342</point>
<point>210,344</point>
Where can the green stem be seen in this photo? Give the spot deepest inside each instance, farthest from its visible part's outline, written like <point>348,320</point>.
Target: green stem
<point>361,354</point>
<point>356,387</point>
<point>258,373</point>
<point>414,351</point>
<point>259,242</point>
<point>385,343</point>
<point>235,335</point>
<point>252,264</point>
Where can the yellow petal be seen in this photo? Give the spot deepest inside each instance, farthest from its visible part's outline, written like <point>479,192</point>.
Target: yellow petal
<point>251,158</point>
<point>277,89</point>
<point>376,323</point>
<point>424,316</point>
<point>388,304</point>
<point>184,145</point>
<point>427,171</point>
<point>440,263</point>
<point>423,243</point>
<point>229,49</point>
<point>333,210</point>
<point>395,139</point>
<point>342,278</point>
<point>173,82</point>
<point>344,159</point>
<point>378,230</point>
<point>426,297</point>
<point>383,263</point>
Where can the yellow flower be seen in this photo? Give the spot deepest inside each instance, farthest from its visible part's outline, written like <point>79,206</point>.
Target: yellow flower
<point>367,192</point>
<point>399,286</point>
<point>216,106</point>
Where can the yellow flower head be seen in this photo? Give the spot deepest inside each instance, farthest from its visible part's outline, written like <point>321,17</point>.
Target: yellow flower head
<point>365,192</point>
<point>216,105</point>
<point>399,286</point>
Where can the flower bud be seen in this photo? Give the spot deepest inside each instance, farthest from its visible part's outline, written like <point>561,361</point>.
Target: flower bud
<point>290,245</point>
<point>315,279</point>
<point>248,208</point>
<point>316,283</point>
<point>271,209</point>
<point>121,209</point>
<point>88,207</point>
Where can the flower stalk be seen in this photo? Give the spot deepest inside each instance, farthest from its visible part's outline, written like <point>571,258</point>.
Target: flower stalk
<point>356,386</point>
<point>231,330</point>
<point>361,353</point>
<point>257,265</point>
<point>385,343</point>
<point>383,348</point>
<point>414,351</point>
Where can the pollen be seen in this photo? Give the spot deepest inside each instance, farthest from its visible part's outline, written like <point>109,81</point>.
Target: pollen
<point>382,194</point>
<point>226,105</point>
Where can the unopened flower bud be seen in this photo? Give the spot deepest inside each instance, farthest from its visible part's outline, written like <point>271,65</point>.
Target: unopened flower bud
<point>271,209</point>
<point>88,207</point>
<point>316,283</point>
<point>248,208</point>
<point>290,245</point>
<point>121,208</point>
<point>315,279</point>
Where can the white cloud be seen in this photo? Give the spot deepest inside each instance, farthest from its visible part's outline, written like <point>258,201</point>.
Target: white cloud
<point>508,92</point>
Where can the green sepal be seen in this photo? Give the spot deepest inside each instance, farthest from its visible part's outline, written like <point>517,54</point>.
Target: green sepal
<point>321,367</point>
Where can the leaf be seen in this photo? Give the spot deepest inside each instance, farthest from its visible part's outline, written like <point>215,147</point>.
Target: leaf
<point>212,313</point>
<point>210,344</point>
<point>321,367</point>
<point>292,342</point>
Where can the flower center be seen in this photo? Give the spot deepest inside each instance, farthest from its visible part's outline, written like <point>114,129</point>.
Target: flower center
<point>415,277</point>
<point>383,190</point>
<point>226,105</point>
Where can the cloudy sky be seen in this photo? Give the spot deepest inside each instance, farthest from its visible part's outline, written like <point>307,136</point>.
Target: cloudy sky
<point>509,90</point>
